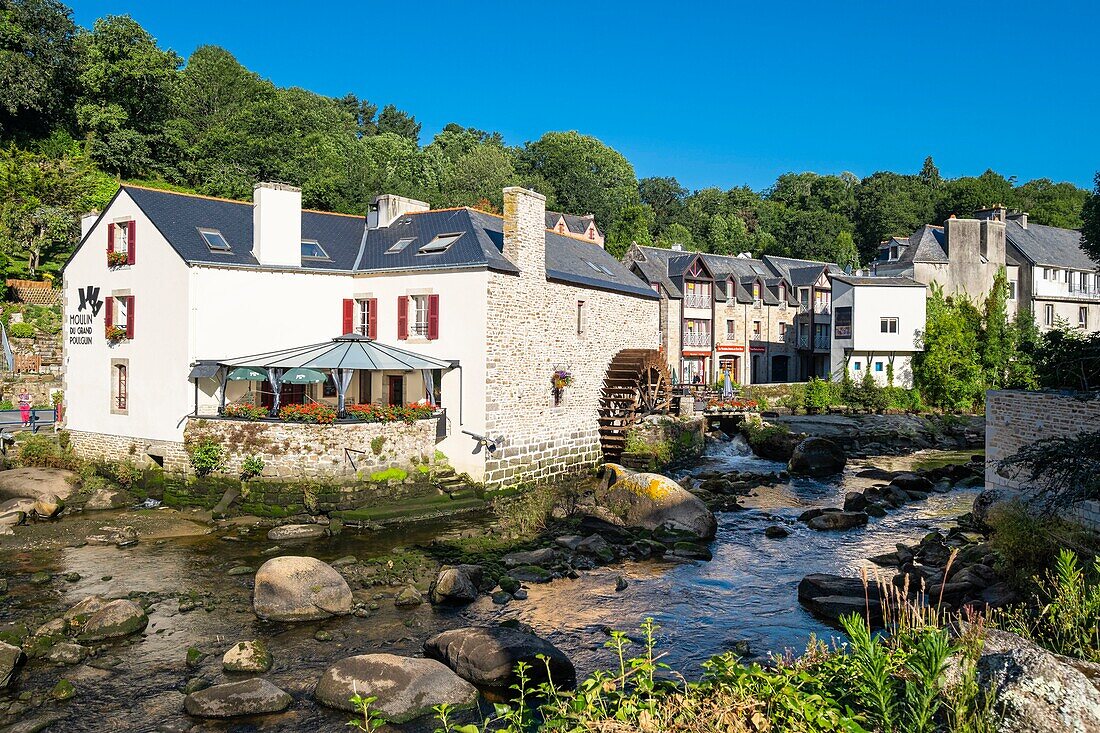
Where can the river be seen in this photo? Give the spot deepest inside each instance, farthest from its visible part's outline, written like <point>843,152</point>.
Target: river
<point>747,593</point>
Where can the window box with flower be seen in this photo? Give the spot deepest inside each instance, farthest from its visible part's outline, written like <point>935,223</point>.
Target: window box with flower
<point>246,411</point>
<point>560,379</point>
<point>117,259</point>
<point>115,333</point>
<point>390,413</point>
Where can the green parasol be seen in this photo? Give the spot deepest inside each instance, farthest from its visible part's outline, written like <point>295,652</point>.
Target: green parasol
<point>301,375</point>
<point>247,374</point>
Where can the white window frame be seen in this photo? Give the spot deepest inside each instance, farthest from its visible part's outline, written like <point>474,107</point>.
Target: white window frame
<point>315,243</point>
<point>1082,316</point>
<point>888,325</point>
<point>418,315</point>
<point>1049,314</point>
<point>362,316</point>
<point>205,232</point>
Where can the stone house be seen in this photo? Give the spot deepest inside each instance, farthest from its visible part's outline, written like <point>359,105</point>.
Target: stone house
<point>163,286</point>
<point>752,318</point>
<point>578,226</point>
<point>1048,273</point>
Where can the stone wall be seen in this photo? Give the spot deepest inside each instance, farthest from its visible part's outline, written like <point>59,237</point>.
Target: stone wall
<point>39,386</point>
<point>656,442</point>
<point>382,451</point>
<point>535,333</point>
<point>301,450</point>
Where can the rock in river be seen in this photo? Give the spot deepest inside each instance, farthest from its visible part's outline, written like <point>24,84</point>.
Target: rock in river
<point>487,656</point>
<point>115,620</point>
<point>48,506</point>
<point>247,656</point>
<point>299,589</point>
<point>405,688</point>
<point>11,659</point>
<point>34,482</point>
<point>817,457</point>
<point>249,697</point>
<point>455,585</point>
<point>103,499</point>
<point>296,532</point>
<point>652,501</point>
<point>837,520</point>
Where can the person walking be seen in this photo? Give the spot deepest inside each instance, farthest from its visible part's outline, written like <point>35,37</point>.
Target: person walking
<point>25,408</point>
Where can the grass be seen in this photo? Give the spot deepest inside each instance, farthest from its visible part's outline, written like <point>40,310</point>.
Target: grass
<point>411,509</point>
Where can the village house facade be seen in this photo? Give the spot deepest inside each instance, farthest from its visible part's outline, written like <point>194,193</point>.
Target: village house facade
<point>1048,273</point>
<point>163,286</point>
<point>759,320</point>
<point>877,322</point>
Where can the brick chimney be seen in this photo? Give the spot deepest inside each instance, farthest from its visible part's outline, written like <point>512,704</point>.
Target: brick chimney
<point>525,231</point>
<point>277,224</point>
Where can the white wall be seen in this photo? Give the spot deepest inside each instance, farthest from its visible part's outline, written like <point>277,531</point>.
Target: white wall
<point>868,344</point>
<point>159,393</point>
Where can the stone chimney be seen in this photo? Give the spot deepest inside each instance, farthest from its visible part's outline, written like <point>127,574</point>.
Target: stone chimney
<point>964,241</point>
<point>277,224</point>
<point>1020,217</point>
<point>993,213</point>
<point>87,221</point>
<point>525,231</point>
<point>993,241</point>
<point>388,208</point>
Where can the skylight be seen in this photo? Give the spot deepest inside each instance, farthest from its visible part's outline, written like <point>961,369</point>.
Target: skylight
<point>312,250</point>
<point>214,240</point>
<point>441,243</point>
<point>399,245</point>
<point>593,265</point>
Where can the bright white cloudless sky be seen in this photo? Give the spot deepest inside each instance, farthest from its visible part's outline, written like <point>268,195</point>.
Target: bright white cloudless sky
<point>715,94</point>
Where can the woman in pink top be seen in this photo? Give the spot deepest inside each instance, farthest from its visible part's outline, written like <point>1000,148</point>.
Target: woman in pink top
<point>25,408</point>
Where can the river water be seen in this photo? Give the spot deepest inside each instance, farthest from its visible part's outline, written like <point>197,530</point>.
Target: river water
<point>747,593</point>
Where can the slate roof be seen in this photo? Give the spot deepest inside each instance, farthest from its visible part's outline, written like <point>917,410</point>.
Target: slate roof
<point>573,223</point>
<point>671,264</point>
<point>352,247</point>
<point>1046,245</point>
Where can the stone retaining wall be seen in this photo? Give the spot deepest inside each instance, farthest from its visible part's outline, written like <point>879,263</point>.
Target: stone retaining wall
<point>143,453</point>
<point>39,386</point>
<point>1016,418</point>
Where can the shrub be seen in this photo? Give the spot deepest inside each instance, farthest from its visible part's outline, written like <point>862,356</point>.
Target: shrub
<point>871,395</point>
<point>206,455</point>
<point>1027,545</point>
<point>817,395</point>
<point>251,467</point>
<point>21,330</point>
<point>39,450</point>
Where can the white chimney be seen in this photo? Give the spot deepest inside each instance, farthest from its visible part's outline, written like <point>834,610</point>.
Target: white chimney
<point>677,247</point>
<point>388,208</point>
<point>87,222</point>
<point>277,224</point>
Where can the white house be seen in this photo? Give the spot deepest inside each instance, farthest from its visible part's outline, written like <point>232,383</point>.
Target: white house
<point>876,325</point>
<point>164,285</point>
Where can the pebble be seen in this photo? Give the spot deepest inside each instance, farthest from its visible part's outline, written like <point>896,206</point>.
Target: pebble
<point>323,635</point>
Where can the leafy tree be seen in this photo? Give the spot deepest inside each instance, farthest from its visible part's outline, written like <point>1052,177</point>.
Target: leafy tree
<point>1054,204</point>
<point>889,204</point>
<point>948,369</point>
<point>1090,216</point>
<point>363,112</point>
<point>996,337</point>
<point>126,85</point>
<point>930,174</point>
<point>963,196</point>
<point>676,233</point>
<point>665,196</point>
<point>586,176</point>
<point>396,122</point>
<point>37,59</point>
<point>845,253</point>
<point>632,226</point>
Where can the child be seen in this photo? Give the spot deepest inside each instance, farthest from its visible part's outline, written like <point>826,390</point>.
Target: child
<point>25,408</point>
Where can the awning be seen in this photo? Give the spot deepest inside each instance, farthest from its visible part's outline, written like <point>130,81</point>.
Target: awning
<point>345,352</point>
<point>204,369</point>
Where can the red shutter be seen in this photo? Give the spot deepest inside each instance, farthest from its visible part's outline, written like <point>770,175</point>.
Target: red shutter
<point>402,317</point>
<point>110,238</point>
<point>129,316</point>
<point>110,317</point>
<point>131,241</point>
<point>349,316</point>
<point>372,314</point>
<point>433,317</point>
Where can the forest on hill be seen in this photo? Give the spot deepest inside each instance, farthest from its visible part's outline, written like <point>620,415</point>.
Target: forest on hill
<point>83,109</point>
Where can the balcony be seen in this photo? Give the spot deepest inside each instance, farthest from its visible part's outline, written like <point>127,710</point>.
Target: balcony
<point>820,341</point>
<point>1077,291</point>
<point>697,301</point>
<point>819,308</point>
<point>696,339</point>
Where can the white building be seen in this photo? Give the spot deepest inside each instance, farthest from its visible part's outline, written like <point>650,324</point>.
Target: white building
<point>164,285</point>
<point>876,325</point>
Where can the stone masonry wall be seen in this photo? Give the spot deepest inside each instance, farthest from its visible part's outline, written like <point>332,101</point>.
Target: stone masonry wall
<point>103,447</point>
<point>536,333</point>
<point>1015,418</point>
<point>301,450</point>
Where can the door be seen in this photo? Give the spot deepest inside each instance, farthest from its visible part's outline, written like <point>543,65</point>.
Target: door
<point>364,387</point>
<point>395,385</point>
<point>779,369</point>
<point>757,377</point>
<point>290,394</point>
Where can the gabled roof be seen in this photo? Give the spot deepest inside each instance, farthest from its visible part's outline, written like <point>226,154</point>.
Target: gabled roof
<point>770,269</point>
<point>1046,245</point>
<point>353,248</point>
<point>885,282</point>
<point>927,244</point>
<point>573,224</point>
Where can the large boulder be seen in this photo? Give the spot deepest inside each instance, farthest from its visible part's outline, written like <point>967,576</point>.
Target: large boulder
<point>830,521</point>
<point>817,457</point>
<point>406,688</point>
<point>910,482</point>
<point>652,501</point>
<point>831,596</point>
<point>456,585</point>
<point>114,620</point>
<point>32,483</point>
<point>992,500</point>
<point>1035,692</point>
<point>48,506</point>
<point>487,656</point>
<point>256,696</point>
<point>294,588</point>
<point>289,532</point>
<point>11,659</point>
<point>251,657</point>
<point>105,498</point>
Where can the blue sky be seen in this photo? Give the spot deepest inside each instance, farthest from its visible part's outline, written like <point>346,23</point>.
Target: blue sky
<point>716,94</point>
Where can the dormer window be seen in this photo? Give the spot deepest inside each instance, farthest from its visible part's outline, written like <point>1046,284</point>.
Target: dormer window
<point>591,232</point>
<point>400,245</point>
<point>311,250</point>
<point>215,241</point>
<point>440,244</point>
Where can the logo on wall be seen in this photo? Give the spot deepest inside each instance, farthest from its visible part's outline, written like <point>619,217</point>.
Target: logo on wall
<point>80,323</point>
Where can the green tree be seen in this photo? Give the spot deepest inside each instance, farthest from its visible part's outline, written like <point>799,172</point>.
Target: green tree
<point>37,60</point>
<point>665,196</point>
<point>845,253</point>
<point>1054,204</point>
<point>676,233</point>
<point>586,176</point>
<point>396,122</point>
<point>996,345</point>
<point>1090,216</point>
<point>126,84</point>
<point>631,227</point>
<point>948,369</point>
<point>930,174</point>
<point>889,205</point>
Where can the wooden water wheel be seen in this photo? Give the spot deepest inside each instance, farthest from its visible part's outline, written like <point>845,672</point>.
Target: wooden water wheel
<point>637,384</point>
